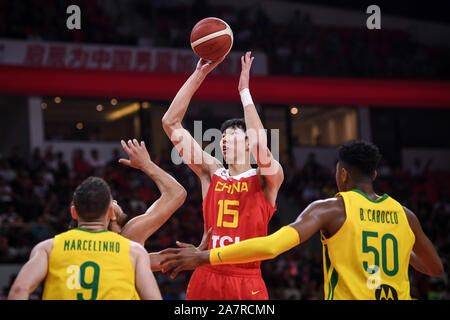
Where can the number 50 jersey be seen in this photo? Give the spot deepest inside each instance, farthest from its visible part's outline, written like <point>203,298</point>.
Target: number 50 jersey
<point>368,257</point>
<point>237,209</point>
<point>90,265</point>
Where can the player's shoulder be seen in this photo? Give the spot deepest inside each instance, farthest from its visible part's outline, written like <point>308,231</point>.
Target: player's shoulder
<point>408,211</point>
<point>329,204</point>
<point>136,248</point>
<point>326,209</point>
<point>412,219</point>
<point>46,245</point>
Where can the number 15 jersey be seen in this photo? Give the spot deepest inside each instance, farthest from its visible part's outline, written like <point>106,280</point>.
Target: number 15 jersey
<point>90,265</point>
<point>237,209</point>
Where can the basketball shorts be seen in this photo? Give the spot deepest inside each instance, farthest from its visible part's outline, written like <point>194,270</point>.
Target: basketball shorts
<point>230,283</point>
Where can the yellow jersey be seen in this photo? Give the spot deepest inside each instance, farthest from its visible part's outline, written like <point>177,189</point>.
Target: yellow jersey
<point>90,265</point>
<point>368,257</point>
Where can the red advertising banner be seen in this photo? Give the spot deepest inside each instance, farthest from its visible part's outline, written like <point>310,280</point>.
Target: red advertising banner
<point>265,89</point>
<point>120,58</point>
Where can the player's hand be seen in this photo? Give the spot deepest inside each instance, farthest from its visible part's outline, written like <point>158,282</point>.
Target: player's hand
<point>246,62</point>
<point>118,212</point>
<point>114,225</point>
<point>203,244</point>
<point>205,67</point>
<point>201,247</point>
<point>163,264</point>
<point>155,258</point>
<point>205,240</point>
<point>186,258</point>
<point>137,153</point>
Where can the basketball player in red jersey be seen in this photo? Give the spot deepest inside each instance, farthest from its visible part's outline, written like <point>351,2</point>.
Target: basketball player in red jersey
<point>238,202</point>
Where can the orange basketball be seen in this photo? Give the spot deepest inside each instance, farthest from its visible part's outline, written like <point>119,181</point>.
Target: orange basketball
<point>211,38</point>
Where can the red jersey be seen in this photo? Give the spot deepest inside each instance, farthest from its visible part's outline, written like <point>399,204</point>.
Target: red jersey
<point>237,209</point>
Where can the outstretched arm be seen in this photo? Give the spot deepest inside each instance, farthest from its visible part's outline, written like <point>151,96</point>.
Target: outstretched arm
<point>172,194</point>
<point>314,218</point>
<point>32,273</point>
<point>269,168</point>
<point>199,161</point>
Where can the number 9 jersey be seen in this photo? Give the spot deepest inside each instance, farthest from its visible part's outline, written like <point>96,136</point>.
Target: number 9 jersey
<point>90,265</point>
<point>368,257</point>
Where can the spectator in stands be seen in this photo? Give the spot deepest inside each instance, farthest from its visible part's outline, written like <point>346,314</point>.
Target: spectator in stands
<point>6,172</point>
<point>6,194</point>
<point>80,165</point>
<point>437,291</point>
<point>312,169</point>
<point>95,162</point>
<point>292,292</point>
<point>311,192</point>
<point>62,169</point>
<point>384,169</point>
<point>36,162</point>
<point>341,51</point>
<point>16,160</point>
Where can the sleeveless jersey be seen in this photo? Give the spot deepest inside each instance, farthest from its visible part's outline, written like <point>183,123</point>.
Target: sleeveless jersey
<point>368,257</point>
<point>237,209</point>
<point>90,265</point>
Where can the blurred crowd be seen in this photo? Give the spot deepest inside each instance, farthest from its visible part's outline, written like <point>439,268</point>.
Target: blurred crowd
<point>35,194</point>
<point>296,47</point>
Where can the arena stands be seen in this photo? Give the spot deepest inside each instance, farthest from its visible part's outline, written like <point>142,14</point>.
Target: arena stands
<point>299,47</point>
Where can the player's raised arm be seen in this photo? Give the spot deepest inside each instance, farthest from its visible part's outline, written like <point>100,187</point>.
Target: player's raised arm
<point>199,161</point>
<point>268,167</point>
<point>172,194</point>
<point>32,273</point>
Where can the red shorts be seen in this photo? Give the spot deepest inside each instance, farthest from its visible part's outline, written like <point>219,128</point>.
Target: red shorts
<point>230,283</point>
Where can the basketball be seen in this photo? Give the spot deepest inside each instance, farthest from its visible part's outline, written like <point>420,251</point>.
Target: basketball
<point>211,38</point>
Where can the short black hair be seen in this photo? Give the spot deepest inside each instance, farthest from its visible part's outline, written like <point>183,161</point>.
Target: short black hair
<point>360,155</point>
<point>92,198</point>
<point>233,123</point>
